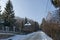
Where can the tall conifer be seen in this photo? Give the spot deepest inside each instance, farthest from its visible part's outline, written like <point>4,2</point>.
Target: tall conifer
<point>8,14</point>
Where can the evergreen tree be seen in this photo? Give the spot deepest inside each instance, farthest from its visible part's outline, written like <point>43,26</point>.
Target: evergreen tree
<point>0,19</point>
<point>22,26</point>
<point>36,26</point>
<point>43,20</point>
<point>26,20</point>
<point>8,14</point>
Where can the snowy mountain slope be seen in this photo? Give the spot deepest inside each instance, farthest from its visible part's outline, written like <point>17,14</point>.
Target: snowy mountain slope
<point>33,36</point>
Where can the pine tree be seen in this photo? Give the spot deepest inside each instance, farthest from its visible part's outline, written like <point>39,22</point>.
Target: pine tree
<point>22,26</point>
<point>8,14</point>
<point>26,20</point>
<point>0,19</point>
<point>36,26</point>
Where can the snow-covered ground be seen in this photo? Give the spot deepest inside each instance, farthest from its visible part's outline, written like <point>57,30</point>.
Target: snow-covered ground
<point>39,35</point>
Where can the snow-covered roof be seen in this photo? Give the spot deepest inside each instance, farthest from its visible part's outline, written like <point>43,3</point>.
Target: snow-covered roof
<point>27,24</point>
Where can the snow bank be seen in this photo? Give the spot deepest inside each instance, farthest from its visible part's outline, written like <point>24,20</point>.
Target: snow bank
<point>33,36</point>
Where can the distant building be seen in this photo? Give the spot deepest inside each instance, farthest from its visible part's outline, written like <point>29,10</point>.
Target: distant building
<point>27,27</point>
<point>27,24</point>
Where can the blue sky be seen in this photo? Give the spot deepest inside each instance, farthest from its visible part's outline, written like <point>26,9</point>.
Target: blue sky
<point>32,9</point>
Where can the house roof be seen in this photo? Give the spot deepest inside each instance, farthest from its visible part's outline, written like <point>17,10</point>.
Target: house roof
<point>27,24</point>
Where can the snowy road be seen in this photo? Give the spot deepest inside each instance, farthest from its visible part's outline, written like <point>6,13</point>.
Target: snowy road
<point>33,36</point>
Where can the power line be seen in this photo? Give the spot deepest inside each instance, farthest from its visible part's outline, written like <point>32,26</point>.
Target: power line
<point>46,6</point>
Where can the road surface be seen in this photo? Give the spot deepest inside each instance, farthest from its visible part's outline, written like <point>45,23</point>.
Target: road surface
<point>39,35</point>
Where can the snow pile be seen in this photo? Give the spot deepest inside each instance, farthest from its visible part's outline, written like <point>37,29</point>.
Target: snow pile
<point>33,36</point>
<point>38,36</point>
